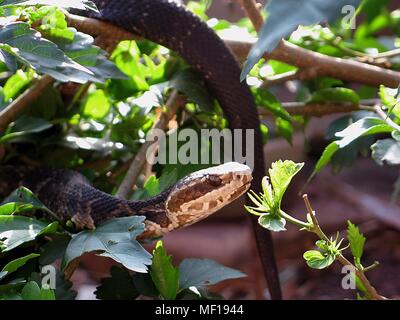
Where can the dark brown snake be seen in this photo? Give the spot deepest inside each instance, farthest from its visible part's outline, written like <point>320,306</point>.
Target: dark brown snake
<point>70,194</point>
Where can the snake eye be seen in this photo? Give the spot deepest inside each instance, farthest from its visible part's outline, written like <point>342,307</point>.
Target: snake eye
<point>214,180</point>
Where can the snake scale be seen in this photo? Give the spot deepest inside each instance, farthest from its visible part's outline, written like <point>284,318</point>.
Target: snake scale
<point>167,23</point>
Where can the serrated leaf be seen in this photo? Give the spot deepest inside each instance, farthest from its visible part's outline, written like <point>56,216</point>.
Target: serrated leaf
<point>316,260</point>
<point>21,200</point>
<point>114,239</point>
<point>165,276</point>
<point>119,286</point>
<point>364,127</point>
<point>83,51</point>
<point>281,173</point>
<point>202,272</point>
<point>356,240</point>
<point>285,16</point>
<point>386,151</point>
<point>16,230</point>
<point>272,222</point>
<point>42,55</point>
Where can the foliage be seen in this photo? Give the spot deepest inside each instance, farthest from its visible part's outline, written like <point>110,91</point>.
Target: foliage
<point>329,249</point>
<point>165,280</point>
<point>97,114</point>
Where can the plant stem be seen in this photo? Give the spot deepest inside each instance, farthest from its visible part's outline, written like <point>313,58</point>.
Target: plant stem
<point>316,229</point>
<point>294,221</point>
<point>385,117</point>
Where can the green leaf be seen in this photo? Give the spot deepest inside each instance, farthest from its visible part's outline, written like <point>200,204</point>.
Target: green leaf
<point>16,84</point>
<point>202,272</point>
<point>317,260</point>
<point>97,105</point>
<point>388,96</point>
<point>76,4</point>
<point>284,128</point>
<point>32,291</point>
<point>281,173</point>
<point>340,95</point>
<point>356,240</point>
<point>16,230</point>
<point>346,156</point>
<point>115,239</point>
<point>21,200</point>
<point>165,276</point>
<point>16,264</point>
<point>47,294</point>
<point>272,222</point>
<point>285,16</point>
<point>363,127</point>
<point>386,151</point>
<point>82,51</point>
<point>119,286</point>
<point>127,58</point>
<point>23,127</point>
<point>154,186</point>
<point>267,100</point>
<point>42,55</point>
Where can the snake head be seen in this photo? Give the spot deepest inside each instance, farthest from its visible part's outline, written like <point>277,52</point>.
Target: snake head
<point>204,192</point>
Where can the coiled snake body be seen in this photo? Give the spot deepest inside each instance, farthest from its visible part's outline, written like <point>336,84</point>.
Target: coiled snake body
<point>171,25</point>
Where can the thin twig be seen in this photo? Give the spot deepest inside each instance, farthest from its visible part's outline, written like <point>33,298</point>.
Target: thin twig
<point>252,9</point>
<point>348,70</point>
<point>11,112</point>
<point>316,109</point>
<point>360,274</point>
<point>139,161</point>
<point>386,118</point>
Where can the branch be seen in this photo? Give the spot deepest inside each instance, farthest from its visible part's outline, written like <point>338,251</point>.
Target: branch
<point>11,112</point>
<point>107,35</point>
<point>252,9</point>
<point>139,161</point>
<point>386,118</point>
<point>360,274</point>
<point>302,75</point>
<point>347,70</point>
<point>319,109</point>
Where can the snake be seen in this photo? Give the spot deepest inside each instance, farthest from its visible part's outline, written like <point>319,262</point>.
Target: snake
<point>71,197</point>
<point>199,194</point>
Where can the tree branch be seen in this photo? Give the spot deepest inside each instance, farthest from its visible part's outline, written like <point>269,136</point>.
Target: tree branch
<point>252,9</point>
<point>314,109</point>
<point>11,112</point>
<point>139,161</point>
